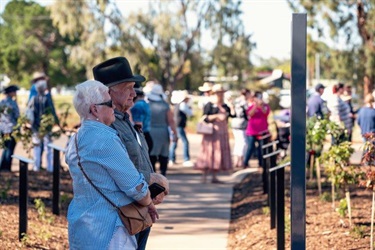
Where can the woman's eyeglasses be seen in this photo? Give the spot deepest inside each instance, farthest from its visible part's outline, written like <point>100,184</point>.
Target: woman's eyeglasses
<point>108,103</point>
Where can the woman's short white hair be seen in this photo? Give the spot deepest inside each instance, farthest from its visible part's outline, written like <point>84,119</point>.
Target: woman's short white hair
<point>88,93</point>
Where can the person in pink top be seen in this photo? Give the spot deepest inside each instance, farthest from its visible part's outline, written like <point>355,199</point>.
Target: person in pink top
<point>257,126</point>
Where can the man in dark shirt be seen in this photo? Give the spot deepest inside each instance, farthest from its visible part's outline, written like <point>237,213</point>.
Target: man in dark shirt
<point>315,104</point>
<point>116,74</point>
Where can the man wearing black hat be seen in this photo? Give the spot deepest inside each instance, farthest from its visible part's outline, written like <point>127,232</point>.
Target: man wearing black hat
<point>315,104</point>
<point>116,74</point>
<point>8,119</point>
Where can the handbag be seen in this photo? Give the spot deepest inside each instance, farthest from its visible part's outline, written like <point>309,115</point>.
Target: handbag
<point>205,128</point>
<point>134,216</point>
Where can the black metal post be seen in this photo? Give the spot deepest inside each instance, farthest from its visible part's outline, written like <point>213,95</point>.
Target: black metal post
<point>56,178</point>
<point>23,189</point>
<point>23,195</point>
<point>272,189</point>
<point>263,140</point>
<point>56,183</point>
<point>280,208</point>
<point>298,133</point>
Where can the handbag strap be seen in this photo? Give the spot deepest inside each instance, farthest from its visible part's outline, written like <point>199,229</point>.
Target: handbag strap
<point>88,179</point>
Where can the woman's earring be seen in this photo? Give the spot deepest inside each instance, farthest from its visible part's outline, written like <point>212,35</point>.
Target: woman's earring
<point>97,118</point>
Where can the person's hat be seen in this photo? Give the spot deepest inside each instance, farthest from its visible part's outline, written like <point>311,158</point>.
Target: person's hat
<point>156,92</point>
<point>207,86</point>
<point>179,96</point>
<point>37,75</point>
<point>217,88</point>
<point>115,71</point>
<point>10,89</point>
<point>319,86</point>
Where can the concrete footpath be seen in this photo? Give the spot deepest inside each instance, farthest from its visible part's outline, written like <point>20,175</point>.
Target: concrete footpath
<point>195,215</point>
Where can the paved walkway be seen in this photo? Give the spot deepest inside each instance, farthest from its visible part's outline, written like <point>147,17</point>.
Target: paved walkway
<point>194,215</point>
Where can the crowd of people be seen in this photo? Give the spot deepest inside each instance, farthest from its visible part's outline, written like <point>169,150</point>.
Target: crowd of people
<point>39,104</point>
<point>338,108</point>
<point>129,134</point>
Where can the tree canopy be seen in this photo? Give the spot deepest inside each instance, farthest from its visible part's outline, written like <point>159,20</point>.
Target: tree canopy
<point>351,23</point>
<point>29,42</point>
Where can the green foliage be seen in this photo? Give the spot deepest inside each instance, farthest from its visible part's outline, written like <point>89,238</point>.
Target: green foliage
<point>265,210</point>
<point>358,231</point>
<point>22,133</point>
<point>349,22</point>
<point>25,239</point>
<point>368,180</point>
<point>326,197</point>
<point>336,161</point>
<point>42,214</point>
<point>343,207</point>
<point>5,190</point>
<point>29,42</point>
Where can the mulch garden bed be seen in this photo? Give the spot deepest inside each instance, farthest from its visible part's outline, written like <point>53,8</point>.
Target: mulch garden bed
<point>325,228</point>
<point>249,227</point>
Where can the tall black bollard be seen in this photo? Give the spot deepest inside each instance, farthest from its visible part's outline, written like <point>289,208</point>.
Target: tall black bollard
<point>23,190</point>
<point>23,195</point>
<point>56,183</point>
<point>56,178</point>
<point>298,133</point>
<point>263,140</point>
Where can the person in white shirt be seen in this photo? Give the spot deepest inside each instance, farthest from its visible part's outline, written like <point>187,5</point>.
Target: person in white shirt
<point>182,111</point>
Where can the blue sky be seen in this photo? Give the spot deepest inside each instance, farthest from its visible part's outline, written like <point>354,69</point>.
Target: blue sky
<point>268,20</point>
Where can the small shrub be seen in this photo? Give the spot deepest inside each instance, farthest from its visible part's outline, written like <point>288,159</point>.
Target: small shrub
<point>327,197</point>
<point>358,231</point>
<point>41,209</point>
<point>4,192</point>
<point>266,210</point>
<point>343,207</point>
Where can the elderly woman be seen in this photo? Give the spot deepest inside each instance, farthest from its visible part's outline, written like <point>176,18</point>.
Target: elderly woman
<point>215,152</point>
<point>93,222</point>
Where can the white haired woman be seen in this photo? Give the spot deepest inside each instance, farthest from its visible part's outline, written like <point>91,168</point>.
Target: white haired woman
<point>93,222</point>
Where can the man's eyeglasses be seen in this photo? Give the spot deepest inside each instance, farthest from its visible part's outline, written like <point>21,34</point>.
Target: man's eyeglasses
<point>108,103</point>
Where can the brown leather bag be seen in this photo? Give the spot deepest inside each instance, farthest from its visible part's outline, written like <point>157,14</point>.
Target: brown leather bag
<point>134,216</point>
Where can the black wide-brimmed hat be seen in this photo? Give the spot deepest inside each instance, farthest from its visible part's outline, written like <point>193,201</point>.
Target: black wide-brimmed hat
<point>115,71</point>
<point>10,89</point>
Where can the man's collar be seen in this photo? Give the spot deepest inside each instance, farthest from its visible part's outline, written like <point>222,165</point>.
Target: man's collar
<point>120,115</point>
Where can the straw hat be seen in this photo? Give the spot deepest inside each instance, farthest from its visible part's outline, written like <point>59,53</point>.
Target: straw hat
<point>207,86</point>
<point>38,75</point>
<point>179,96</point>
<point>218,88</point>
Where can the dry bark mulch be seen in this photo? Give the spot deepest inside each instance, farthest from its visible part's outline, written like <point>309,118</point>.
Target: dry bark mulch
<point>325,228</point>
<point>44,230</point>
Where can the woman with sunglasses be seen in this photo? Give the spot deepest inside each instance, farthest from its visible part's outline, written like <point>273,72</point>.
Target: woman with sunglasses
<point>93,222</point>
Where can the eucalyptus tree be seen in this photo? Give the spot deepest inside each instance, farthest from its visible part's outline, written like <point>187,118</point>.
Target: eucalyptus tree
<point>163,41</point>
<point>347,20</point>
<point>95,27</point>
<point>29,42</point>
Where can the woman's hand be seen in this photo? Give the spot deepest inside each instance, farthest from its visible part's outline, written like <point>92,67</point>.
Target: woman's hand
<point>159,198</point>
<point>153,212</point>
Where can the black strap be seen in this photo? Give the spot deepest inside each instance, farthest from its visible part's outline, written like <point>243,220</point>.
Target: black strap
<point>88,179</point>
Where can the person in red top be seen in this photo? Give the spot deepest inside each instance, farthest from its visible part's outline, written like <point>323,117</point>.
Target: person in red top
<point>257,126</point>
